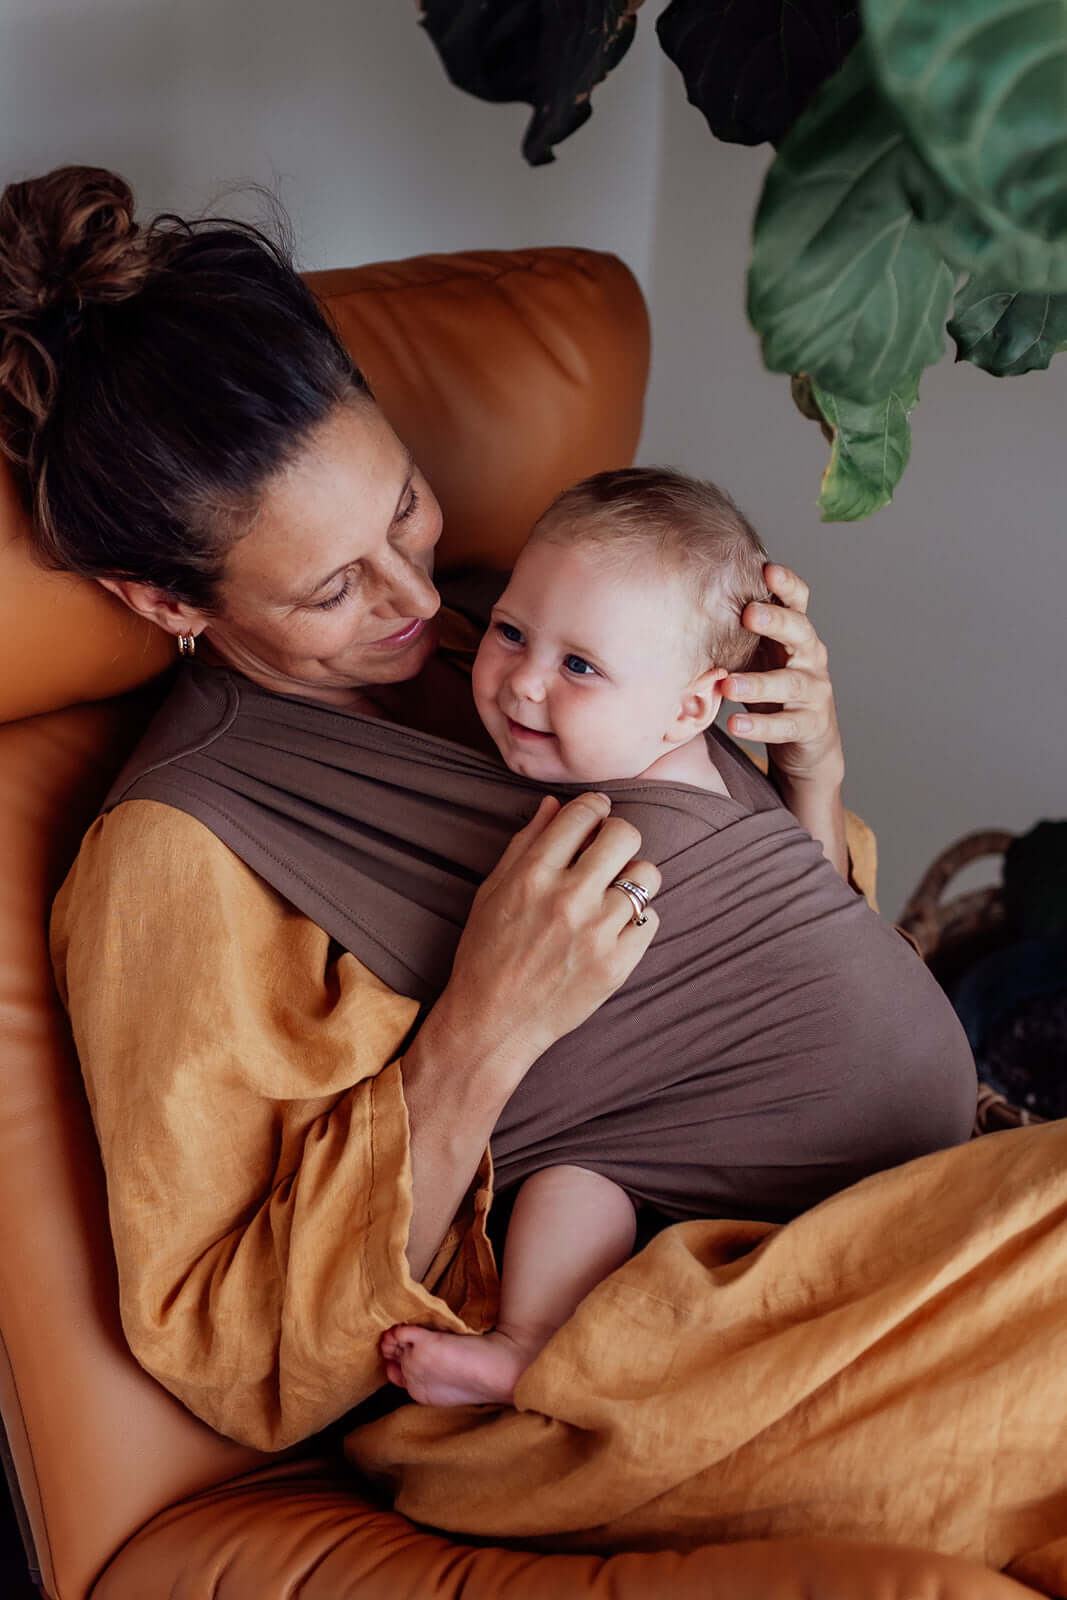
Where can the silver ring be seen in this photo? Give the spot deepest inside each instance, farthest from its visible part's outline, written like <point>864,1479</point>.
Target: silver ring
<point>638,897</point>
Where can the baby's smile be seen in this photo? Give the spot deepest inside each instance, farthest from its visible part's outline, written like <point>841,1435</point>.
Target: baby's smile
<point>520,731</point>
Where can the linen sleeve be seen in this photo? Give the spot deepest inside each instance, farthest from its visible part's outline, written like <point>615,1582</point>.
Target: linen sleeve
<point>862,857</point>
<point>249,1106</point>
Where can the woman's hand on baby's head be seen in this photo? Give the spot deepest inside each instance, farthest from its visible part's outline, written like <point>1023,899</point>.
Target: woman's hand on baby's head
<point>549,938</point>
<point>788,695</point>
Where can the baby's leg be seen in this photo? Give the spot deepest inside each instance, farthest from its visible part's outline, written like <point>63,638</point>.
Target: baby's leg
<point>569,1229</point>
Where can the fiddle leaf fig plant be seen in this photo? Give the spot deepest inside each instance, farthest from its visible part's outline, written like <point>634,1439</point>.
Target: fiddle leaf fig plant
<point>551,55</point>
<point>844,283</point>
<point>919,180</point>
<point>870,446</point>
<point>1007,333</point>
<point>752,68</point>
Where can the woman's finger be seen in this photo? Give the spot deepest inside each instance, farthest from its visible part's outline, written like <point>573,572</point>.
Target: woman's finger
<point>779,727</point>
<point>628,906</point>
<point>615,846</point>
<point>788,627</point>
<point>575,821</point>
<point>527,836</point>
<point>785,686</point>
<point>635,937</point>
<point>791,590</point>
<point>646,873</point>
<point>574,825</point>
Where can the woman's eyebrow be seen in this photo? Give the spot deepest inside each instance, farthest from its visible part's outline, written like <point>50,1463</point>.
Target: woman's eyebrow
<point>316,588</point>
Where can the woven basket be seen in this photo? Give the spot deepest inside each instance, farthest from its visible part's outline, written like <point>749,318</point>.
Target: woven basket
<point>953,934</point>
<point>938,926</point>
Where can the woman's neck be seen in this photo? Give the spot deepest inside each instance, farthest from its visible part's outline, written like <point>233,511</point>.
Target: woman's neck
<point>344,697</point>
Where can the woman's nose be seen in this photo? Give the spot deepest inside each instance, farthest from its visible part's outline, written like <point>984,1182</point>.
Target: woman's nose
<point>411,592</point>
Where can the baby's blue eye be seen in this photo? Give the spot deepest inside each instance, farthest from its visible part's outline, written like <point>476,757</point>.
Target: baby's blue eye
<point>511,634</point>
<point>579,667</point>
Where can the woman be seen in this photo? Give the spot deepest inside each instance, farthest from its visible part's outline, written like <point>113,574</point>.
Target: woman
<point>295,1152</point>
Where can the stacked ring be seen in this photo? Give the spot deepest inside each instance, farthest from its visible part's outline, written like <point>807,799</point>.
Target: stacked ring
<point>638,897</point>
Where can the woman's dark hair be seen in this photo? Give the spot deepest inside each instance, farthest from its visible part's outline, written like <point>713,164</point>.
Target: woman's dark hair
<point>152,380</point>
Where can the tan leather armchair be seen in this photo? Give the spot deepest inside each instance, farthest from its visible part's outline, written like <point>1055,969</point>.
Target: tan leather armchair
<point>509,375</point>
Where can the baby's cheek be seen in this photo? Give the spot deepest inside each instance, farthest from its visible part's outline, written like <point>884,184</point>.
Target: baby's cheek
<point>589,750</point>
<point>481,682</point>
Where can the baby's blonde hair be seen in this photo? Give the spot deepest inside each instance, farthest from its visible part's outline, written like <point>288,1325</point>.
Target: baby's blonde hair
<point>660,514</point>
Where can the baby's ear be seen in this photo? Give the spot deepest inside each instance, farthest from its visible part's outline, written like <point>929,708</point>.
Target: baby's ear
<point>698,706</point>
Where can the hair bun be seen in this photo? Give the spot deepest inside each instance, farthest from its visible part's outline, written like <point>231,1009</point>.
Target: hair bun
<point>67,241</point>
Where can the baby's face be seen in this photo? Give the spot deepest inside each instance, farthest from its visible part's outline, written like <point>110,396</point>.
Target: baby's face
<point>582,670</point>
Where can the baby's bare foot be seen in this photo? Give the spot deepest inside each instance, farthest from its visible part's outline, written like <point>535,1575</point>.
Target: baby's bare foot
<point>454,1369</point>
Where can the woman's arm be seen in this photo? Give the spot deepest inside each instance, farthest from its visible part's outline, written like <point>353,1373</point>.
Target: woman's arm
<point>789,702</point>
<point>544,946</point>
<point>253,1108</point>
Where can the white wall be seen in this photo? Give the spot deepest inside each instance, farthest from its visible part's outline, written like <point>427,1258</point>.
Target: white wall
<point>944,614</point>
<point>340,106</point>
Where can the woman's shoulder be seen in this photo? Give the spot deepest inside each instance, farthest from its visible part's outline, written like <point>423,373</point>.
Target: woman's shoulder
<point>149,833</point>
<point>144,865</point>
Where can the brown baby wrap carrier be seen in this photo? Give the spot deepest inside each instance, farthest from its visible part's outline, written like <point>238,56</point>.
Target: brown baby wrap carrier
<point>777,1042</point>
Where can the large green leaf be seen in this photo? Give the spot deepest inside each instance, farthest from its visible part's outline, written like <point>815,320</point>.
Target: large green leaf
<point>843,282</point>
<point>1006,333</point>
<point>972,244</point>
<point>871,446</point>
<point>549,53</point>
<point>981,86</point>
<point>751,68</point>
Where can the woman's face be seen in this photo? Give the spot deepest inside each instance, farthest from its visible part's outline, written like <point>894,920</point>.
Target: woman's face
<point>330,590</point>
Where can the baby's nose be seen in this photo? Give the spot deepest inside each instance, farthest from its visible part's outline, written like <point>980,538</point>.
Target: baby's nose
<point>527,684</point>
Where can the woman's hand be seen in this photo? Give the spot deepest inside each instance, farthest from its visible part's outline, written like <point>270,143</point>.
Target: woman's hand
<point>548,938</point>
<point>547,941</point>
<point>788,696</point>
<point>789,707</point>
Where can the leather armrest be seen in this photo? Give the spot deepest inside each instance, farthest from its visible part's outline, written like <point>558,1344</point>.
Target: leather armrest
<point>327,1543</point>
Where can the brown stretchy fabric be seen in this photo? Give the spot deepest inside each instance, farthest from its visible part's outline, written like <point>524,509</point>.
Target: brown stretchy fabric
<point>777,1042</point>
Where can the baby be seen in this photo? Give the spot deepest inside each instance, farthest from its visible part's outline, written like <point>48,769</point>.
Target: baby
<point>602,660</point>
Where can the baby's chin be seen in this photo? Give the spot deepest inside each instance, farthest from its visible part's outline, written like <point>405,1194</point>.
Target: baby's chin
<point>540,767</point>
<point>546,767</point>
<point>527,754</point>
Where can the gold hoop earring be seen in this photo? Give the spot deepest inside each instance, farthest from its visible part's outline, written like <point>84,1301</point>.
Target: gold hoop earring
<point>187,645</point>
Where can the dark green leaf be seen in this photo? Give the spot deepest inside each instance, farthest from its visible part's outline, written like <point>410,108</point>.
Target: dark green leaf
<point>549,53</point>
<point>870,451</point>
<point>981,86</point>
<point>972,244</point>
<point>751,68</point>
<point>1006,333</point>
<point>843,283</point>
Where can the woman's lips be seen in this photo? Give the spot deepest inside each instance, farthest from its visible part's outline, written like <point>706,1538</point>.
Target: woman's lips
<point>404,635</point>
